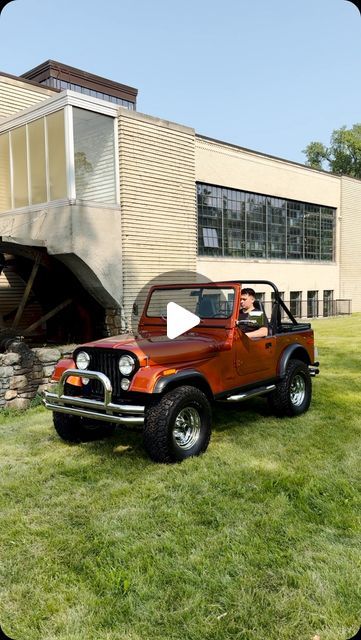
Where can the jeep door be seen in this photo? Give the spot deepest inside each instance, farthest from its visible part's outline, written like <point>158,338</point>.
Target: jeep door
<point>255,357</point>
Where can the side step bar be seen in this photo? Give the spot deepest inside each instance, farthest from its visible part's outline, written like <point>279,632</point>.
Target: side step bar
<point>252,393</point>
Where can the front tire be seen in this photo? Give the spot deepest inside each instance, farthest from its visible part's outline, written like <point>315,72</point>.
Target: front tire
<point>178,426</point>
<point>293,394</point>
<point>77,429</point>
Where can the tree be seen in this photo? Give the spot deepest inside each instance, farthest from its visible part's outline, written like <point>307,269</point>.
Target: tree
<point>342,156</point>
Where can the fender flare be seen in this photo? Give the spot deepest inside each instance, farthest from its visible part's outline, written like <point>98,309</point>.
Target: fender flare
<point>181,377</point>
<point>290,352</point>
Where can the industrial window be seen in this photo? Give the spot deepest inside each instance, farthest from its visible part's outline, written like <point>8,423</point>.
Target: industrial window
<point>250,225</point>
<point>63,84</point>
<point>328,302</point>
<point>296,303</point>
<point>312,304</point>
<point>210,237</point>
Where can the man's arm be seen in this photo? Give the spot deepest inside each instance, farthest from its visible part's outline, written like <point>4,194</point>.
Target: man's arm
<point>258,333</point>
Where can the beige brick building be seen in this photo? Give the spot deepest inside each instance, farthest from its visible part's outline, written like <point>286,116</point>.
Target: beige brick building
<point>97,199</point>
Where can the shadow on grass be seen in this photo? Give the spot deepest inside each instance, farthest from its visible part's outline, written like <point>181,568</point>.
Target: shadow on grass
<point>127,442</point>
<point>241,414</point>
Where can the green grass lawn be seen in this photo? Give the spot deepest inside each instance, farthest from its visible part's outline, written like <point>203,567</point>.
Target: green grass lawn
<point>258,539</point>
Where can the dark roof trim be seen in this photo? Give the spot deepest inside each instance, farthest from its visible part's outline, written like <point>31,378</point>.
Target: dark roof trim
<point>58,70</point>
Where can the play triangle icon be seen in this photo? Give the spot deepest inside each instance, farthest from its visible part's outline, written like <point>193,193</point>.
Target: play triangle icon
<point>179,320</point>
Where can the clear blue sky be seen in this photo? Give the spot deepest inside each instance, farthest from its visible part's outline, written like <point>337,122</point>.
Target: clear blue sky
<point>270,75</point>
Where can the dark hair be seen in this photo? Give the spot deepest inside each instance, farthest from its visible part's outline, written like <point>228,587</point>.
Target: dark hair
<point>248,291</point>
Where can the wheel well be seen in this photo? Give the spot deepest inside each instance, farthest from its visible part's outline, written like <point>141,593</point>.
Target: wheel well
<point>300,354</point>
<point>293,353</point>
<point>198,382</point>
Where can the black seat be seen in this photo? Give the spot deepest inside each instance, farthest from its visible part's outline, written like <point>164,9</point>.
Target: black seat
<point>206,308</point>
<point>275,322</point>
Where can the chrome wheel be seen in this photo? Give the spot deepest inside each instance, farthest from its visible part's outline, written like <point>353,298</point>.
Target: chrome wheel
<point>187,428</point>
<point>297,390</point>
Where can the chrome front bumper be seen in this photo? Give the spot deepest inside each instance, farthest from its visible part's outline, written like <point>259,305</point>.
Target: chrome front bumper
<point>94,409</point>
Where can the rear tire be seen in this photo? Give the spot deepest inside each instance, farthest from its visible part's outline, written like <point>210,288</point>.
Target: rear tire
<point>78,429</point>
<point>178,426</point>
<point>293,394</point>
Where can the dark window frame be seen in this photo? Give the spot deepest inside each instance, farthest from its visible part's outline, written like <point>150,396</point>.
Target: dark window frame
<point>258,226</point>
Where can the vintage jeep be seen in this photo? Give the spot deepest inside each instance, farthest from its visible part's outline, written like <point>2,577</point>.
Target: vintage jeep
<point>168,385</point>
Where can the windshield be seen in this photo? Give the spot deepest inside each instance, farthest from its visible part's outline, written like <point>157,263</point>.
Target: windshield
<point>205,302</point>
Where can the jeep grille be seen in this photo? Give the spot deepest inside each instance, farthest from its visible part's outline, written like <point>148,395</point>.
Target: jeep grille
<point>106,361</point>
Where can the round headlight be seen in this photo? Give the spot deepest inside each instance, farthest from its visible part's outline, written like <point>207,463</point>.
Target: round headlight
<point>126,365</point>
<point>82,360</point>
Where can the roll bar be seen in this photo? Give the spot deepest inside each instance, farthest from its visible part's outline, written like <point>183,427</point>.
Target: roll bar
<point>278,298</point>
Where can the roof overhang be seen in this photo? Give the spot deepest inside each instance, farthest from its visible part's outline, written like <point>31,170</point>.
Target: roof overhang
<point>60,101</point>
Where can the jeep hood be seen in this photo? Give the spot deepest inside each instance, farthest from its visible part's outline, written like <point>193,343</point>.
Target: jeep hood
<point>162,350</point>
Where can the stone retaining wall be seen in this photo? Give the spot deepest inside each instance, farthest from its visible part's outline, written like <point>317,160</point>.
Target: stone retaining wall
<point>25,372</point>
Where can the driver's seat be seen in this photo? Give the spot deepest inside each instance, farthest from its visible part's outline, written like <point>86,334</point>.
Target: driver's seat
<point>259,306</point>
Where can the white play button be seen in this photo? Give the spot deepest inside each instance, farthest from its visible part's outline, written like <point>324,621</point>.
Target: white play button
<point>179,320</point>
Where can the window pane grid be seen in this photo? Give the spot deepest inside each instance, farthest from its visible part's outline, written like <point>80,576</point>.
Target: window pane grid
<point>249,225</point>
<point>63,84</point>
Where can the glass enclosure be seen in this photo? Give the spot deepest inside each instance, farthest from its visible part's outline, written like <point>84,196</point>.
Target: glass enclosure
<point>5,187</point>
<point>94,156</point>
<point>36,168</point>
<point>37,162</point>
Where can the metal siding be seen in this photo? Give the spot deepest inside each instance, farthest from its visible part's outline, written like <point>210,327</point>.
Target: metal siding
<point>158,207</point>
<point>16,96</point>
<point>350,250</point>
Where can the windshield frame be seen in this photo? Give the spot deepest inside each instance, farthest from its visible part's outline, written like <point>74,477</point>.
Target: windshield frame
<point>231,287</point>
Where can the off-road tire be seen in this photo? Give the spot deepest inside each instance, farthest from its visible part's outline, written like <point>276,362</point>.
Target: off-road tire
<point>166,436</point>
<point>293,394</point>
<point>78,429</point>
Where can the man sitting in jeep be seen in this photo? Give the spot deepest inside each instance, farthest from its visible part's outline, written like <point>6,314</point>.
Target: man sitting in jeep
<point>248,296</point>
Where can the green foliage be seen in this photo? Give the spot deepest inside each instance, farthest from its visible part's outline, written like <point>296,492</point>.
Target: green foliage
<point>37,401</point>
<point>342,156</point>
<point>258,538</point>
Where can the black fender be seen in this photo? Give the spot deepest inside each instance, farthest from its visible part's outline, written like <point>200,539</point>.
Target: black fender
<point>293,351</point>
<point>191,376</point>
